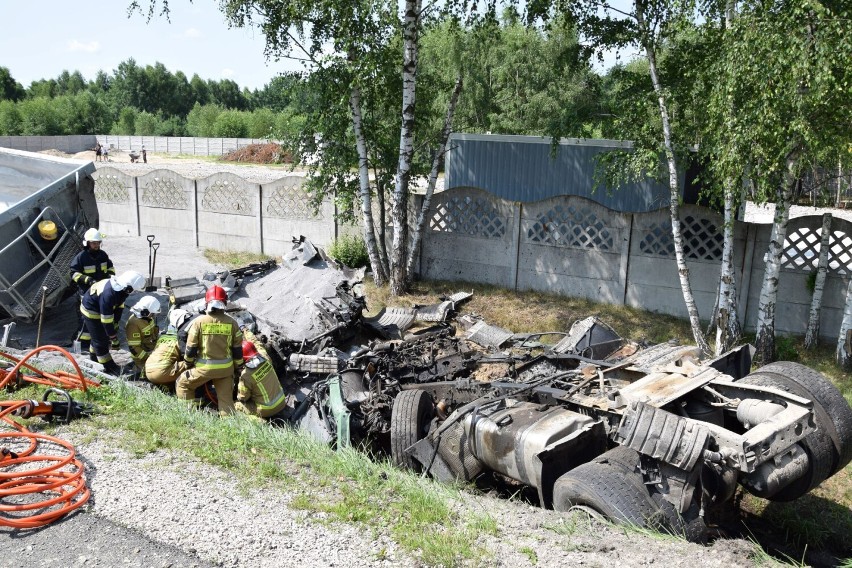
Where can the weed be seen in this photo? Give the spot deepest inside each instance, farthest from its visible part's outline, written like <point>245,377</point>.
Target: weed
<point>786,349</point>
<point>350,251</point>
<point>233,259</point>
<point>530,553</point>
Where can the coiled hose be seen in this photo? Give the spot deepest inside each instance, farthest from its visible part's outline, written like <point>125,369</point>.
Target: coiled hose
<point>36,487</point>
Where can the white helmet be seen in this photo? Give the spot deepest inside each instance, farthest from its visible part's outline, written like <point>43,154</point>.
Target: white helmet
<point>127,279</point>
<point>92,235</point>
<point>146,306</point>
<point>177,317</point>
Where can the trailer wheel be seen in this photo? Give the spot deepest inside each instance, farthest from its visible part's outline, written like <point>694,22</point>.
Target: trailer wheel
<point>829,448</point>
<point>609,489</point>
<point>410,418</point>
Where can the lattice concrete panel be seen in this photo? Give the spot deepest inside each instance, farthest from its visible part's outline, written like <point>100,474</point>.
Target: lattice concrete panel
<point>802,248</point>
<point>226,196</point>
<point>164,192</point>
<point>468,215</point>
<point>112,189</point>
<point>571,227</point>
<point>291,201</point>
<point>702,239</point>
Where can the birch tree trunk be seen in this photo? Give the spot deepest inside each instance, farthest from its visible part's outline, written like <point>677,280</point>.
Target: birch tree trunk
<point>379,273</point>
<point>674,186</point>
<point>812,335</point>
<point>765,341</point>
<point>843,354</point>
<point>728,330</point>
<point>437,161</point>
<point>399,213</point>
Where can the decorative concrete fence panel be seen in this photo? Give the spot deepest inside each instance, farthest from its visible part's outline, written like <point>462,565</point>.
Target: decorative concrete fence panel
<point>653,281</point>
<point>473,236</point>
<point>287,211</point>
<point>228,213</point>
<point>573,246</point>
<point>167,207</point>
<point>115,192</point>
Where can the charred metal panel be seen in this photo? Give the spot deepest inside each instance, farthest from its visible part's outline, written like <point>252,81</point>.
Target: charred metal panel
<point>659,389</point>
<point>662,435</point>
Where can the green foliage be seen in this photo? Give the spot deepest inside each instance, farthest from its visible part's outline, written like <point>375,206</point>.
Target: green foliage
<point>10,90</point>
<point>786,348</point>
<point>810,283</point>
<point>126,123</point>
<point>10,119</point>
<point>201,120</point>
<point>231,124</point>
<point>350,250</point>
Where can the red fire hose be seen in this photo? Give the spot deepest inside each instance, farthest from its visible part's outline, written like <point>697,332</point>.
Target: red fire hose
<point>36,487</point>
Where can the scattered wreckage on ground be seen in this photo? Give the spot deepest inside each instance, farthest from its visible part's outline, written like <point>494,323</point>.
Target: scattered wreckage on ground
<point>653,436</point>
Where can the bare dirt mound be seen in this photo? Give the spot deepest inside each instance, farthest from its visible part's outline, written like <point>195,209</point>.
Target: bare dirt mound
<point>260,154</point>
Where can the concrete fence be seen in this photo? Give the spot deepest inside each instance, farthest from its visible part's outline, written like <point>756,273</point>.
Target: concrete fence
<point>161,144</point>
<point>567,245</point>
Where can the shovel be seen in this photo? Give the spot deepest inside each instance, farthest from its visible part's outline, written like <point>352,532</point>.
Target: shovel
<point>151,287</point>
<point>150,249</point>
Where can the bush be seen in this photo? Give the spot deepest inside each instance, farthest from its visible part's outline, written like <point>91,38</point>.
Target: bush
<point>349,250</point>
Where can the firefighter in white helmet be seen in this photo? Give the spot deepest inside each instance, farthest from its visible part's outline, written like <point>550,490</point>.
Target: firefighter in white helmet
<point>142,331</point>
<point>91,265</point>
<point>101,308</point>
<point>165,364</point>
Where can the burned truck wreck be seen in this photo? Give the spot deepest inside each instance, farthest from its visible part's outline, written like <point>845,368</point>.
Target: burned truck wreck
<point>653,436</point>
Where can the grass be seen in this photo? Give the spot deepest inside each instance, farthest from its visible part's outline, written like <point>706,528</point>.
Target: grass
<point>345,485</point>
<point>232,259</point>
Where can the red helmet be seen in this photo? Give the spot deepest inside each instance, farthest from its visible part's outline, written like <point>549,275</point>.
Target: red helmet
<point>249,350</point>
<point>215,293</point>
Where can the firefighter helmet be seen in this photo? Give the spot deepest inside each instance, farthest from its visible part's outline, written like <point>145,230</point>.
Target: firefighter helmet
<point>146,306</point>
<point>92,236</point>
<point>177,317</point>
<point>249,350</point>
<point>129,279</point>
<point>216,298</point>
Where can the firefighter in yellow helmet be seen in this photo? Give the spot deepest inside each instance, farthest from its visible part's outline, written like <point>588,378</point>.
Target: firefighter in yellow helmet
<point>259,392</point>
<point>213,352</point>
<point>142,331</point>
<point>165,364</point>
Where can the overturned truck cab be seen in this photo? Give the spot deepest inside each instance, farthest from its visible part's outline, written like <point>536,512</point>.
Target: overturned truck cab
<point>658,440</point>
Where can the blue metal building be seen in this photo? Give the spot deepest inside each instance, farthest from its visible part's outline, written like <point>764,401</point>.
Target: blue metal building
<point>523,168</point>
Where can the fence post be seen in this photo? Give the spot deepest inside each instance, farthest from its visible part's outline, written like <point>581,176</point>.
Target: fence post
<point>516,215</point>
<point>195,211</point>
<point>624,270</point>
<point>747,267</point>
<point>260,216</point>
<point>136,208</point>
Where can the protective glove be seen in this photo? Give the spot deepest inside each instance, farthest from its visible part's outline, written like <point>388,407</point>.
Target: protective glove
<point>113,343</point>
<point>89,280</point>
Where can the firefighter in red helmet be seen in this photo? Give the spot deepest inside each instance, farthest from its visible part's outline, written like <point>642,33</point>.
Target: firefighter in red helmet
<point>213,352</point>
<point>259,391</point>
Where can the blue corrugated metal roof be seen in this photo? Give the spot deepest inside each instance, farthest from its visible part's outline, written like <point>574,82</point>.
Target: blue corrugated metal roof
<point>521,168</point>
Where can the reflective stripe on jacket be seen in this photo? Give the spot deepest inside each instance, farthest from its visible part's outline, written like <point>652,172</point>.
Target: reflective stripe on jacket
<point>214,345</point>
<point>141,335</point>
<point>101,302</point>
<point>262,387</point>
<point>90,266</point>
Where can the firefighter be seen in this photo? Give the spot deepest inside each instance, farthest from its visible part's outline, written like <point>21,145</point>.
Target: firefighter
<point>165,364</point>
<point>101,308</point>
<point>91,265</point>
<point>142,331</point>
<point>213,352</point>
<point>259,391</point>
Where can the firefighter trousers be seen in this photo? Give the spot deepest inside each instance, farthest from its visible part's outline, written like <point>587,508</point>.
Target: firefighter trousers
<point>100,345</point>
<point>191,380</point>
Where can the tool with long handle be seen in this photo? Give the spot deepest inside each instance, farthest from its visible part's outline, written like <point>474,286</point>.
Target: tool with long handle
<point>150,250</point>
<point>151,287</point>
<point>41,315</point>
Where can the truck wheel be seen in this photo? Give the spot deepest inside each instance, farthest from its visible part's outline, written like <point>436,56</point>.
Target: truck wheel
<point>822,453</point>
<point>608,489</point>
<point>410,418</point>
<point>834,412</point>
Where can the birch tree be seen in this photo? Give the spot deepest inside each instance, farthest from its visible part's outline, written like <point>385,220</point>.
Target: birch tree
<point>812,335</point>
<point>843,353</point>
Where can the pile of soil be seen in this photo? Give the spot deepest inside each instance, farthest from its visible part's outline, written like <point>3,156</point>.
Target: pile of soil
<point>260,154</point>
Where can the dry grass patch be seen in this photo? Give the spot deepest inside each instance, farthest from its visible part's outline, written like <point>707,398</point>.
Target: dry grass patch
<point>233,259</point>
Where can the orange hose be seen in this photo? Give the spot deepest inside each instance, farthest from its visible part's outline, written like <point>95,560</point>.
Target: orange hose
<point>60,482</point>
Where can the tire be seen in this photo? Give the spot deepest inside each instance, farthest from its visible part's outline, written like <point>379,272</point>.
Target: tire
<point>834,411</point>
<point>606,487</point>
<point>823,455</point>
<point>410,419</point>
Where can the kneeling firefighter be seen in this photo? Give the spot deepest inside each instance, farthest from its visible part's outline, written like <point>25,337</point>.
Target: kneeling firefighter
<point>213,352</point>
<point>259,391</point>
<point>101,308</point>
<point>165,364</point>
<point>142,331</point>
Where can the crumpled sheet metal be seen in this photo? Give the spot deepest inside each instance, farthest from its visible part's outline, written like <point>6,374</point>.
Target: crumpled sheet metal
<point>392,322</point>
<point>568,343</point>
<point>488,335</point>
<point>442,310</point>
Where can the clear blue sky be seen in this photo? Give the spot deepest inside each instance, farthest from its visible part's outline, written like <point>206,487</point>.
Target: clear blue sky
<point>41,38</point>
